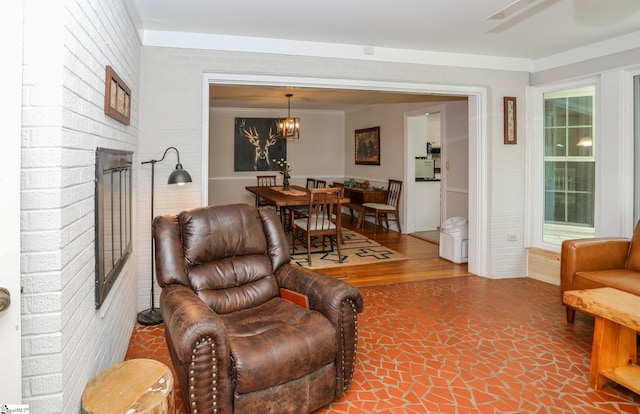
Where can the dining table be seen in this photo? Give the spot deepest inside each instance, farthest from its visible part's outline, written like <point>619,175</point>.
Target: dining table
<point>296,196</point>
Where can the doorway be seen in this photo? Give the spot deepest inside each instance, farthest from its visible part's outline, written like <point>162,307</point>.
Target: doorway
<point>424,131</point>
<point>477,104</point>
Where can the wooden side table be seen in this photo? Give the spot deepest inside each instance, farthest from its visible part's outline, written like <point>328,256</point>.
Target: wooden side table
<point>614,350</point>
<point>133,386</point>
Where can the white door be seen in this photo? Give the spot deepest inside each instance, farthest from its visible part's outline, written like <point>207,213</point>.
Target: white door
<point>10,120</point>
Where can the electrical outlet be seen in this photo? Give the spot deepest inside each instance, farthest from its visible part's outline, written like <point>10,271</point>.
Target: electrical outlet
<point>512,237</point>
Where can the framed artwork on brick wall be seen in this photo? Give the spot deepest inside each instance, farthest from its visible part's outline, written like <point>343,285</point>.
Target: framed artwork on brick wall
<point>117,97</point>
<point>510,121</point>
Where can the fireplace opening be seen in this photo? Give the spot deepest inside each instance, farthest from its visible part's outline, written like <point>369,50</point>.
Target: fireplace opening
<point>112,217</point>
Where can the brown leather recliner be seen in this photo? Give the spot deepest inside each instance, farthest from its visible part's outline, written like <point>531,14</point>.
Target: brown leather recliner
<point>600,262</point>
<point>236,344</point>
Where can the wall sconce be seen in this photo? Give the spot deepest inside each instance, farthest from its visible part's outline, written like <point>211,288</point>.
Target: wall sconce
<point>289,127</point>
<point>152,316</point>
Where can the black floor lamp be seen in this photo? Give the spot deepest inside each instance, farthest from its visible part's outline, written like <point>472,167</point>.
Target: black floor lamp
<point>152,316</point>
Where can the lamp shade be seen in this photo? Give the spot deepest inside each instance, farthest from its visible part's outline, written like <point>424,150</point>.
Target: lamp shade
<point>179,176</point>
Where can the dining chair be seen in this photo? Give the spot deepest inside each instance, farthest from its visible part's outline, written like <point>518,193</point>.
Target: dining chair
<point>311,183</point>
<point>321,184</point>
<point>351,206</point>
<point>382,210</point>
<point>322,220</point>
<point>339,186</point>
<point>265,181</point>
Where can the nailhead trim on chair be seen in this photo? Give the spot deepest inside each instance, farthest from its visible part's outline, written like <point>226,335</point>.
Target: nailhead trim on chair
<point>347,383</point>
<point>214,375</point>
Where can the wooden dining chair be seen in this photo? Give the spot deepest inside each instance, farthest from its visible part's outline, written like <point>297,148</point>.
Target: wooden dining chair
<point>381,211</point>
<point>351,206</point>
<point>322,220</point>
<point>339,186</point>
<point>311,183</point>
<point>265,181</point>
<point>321,184</point>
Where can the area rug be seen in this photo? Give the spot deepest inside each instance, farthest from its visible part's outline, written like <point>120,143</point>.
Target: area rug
<point>357,249</point>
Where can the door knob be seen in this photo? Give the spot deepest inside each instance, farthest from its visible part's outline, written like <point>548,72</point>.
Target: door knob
<point>5,299</point>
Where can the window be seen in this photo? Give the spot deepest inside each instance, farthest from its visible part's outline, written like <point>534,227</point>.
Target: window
<point>569,164</point>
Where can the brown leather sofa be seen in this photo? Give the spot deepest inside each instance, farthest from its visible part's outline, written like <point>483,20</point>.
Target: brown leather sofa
<point>600,262</point>
<point>237,346</point>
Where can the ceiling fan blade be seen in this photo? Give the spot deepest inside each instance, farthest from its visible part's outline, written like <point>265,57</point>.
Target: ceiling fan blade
<point>510,9</point>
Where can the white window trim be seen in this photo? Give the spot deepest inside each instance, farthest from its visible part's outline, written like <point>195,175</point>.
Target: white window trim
<point>629,129</point>
<point>534,199</point>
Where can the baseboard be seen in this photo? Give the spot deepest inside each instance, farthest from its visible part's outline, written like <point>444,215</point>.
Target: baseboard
<point>543,265</point>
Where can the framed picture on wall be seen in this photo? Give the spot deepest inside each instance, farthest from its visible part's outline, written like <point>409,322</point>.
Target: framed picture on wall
<point>510,121</point>
<point>367,143</point>
<point>257,142</point>
<point>117,97</point>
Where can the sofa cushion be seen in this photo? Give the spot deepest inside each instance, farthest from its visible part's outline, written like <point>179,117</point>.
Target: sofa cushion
<point>626,280</point>
<point>633,258</point>
<point>263,358</point>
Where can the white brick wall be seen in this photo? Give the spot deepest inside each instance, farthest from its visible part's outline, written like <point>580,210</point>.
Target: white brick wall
<point>65,340</point>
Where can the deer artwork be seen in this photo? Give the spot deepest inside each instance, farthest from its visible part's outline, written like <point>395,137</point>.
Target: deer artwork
<point>261,161</point>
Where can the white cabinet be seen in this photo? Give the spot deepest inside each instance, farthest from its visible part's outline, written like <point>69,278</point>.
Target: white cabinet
<point>427,207</point>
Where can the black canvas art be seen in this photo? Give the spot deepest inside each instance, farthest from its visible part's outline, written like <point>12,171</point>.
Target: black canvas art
<point>257,142</point>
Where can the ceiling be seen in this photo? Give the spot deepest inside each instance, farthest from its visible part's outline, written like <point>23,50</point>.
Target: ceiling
<point>310,98</point>
<point>534,30</point>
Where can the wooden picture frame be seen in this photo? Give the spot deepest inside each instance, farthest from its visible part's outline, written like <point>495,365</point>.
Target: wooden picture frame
<point>117,97</point>
<point>510,120</point>
<point>367,146</point>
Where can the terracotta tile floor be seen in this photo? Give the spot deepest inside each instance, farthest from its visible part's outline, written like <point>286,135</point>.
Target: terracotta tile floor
<point>462,345</point>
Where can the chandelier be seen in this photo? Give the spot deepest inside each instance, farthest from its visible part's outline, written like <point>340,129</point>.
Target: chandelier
<point>289,127</point>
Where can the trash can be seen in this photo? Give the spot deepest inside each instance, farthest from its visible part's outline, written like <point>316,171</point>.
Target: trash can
<point>454,240</point>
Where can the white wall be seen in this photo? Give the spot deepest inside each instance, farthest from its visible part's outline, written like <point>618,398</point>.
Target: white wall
<point>390,119</point>
<point>317,154</point>
<point>171,115</point>
<point>417,127</point>
<point>455,161</point>
<point>67,46</point>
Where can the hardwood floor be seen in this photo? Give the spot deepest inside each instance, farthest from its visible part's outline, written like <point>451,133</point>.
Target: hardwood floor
<point>425,262</point>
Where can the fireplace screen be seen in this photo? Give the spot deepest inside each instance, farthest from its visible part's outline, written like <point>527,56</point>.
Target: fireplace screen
<point>113,217</point>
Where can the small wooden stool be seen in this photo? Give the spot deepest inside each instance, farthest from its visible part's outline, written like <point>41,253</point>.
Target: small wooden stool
<point>133,386</point>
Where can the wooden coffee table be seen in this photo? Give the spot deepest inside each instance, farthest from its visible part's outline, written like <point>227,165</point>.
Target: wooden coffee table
<point>614,350</point>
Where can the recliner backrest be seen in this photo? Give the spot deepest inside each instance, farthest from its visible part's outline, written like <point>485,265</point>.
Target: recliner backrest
<point>228,254</point>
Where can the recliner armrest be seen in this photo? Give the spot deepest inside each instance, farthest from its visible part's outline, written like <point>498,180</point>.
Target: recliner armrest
<point>339,302</point>
<point>580,255</point>
<point>326,294</point>
<point>188,319</point>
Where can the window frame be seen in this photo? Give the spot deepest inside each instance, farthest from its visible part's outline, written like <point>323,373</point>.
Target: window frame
<point>535,198</point>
